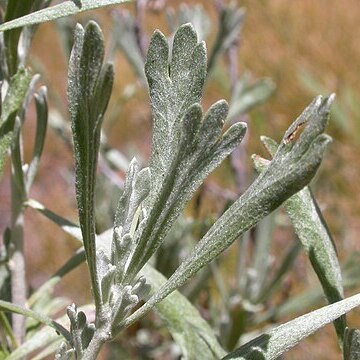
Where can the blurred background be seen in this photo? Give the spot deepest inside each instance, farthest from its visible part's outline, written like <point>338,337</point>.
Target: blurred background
<point>298,49</point>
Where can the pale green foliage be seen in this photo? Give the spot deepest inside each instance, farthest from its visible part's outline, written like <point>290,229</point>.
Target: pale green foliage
<point>14,98</point>
<point>314,235</point>
<point>246,95</point>
<point>66,8</point>
<point>272,344</point>
<point>89,90</point>
<point>352,344</point>
<point>186,146</point>
<point>190,331</point>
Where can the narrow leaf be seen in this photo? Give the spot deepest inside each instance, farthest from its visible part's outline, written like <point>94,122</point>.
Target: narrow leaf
<point>124,31</point>
<point>246,95</point>
<point>14,9</point>
<point>14,98</point>
<point>315,237</point>
<point>43,337</point>
<point>6,306</point>
<point>68,226</point>
<point>274,343</point>
<point>352,344</point>
<point>231,22</point>
<point>89,90</point>
<point>63,9</point>
<point>41,125</point>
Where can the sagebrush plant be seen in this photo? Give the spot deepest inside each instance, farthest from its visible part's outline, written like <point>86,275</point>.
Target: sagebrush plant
<point>188,144</point>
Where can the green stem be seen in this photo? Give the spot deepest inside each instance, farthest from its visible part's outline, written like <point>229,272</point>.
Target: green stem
<point>8,330</point>
<point>21,311</point>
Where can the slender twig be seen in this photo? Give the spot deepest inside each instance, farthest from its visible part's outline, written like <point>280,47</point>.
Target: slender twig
<point>17,260</point>
<point>139,27</point>
<point>23,312</point>
<point>8,330</point>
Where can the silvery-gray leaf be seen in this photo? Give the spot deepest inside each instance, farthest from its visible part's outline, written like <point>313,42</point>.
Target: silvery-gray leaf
<point>186,148</point>
<point>293,166</point>
<point>274,343</point>
<point>63,9</point>
<point>89,89</point>
<point>173,87</point>
<point>352,344</point>
<point>315,237</point>
<point>190,331</point>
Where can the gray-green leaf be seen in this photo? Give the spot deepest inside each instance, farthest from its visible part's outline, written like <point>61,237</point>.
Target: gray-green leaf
<point>274,343</point>
<point>293,166</point>
<point>14,98</point>
<point>352,344</point>
<point>173,87</point>
<point>187,147</point>
<point>246,95</point>
<point>189,330</point>
<point>315,237</point>
<point>89,90</point>
<point>66,8</point>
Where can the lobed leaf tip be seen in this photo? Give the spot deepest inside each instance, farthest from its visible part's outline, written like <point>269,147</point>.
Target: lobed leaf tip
<point>221,105</point>
<point>158,35</point>
<point>187,27</point>
<point>327,102</point>
<point>78,27</point>
<point>93,25</point>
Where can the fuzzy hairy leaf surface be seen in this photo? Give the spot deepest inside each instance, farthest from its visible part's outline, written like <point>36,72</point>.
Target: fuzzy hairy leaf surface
<point>174,86</point>
<point>187,146</point>
<point>271,345</point>
<point>44,337</point>
<point>7,306</point>
<point>315,237</point>
<point>63,9</point>
<point>293,166</point>
<point>352,344</point>
<point>189,330</point>
<point>89,89</point>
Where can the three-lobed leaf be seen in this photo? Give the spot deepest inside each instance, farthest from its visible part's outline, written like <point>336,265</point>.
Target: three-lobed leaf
<point>187,146</point>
